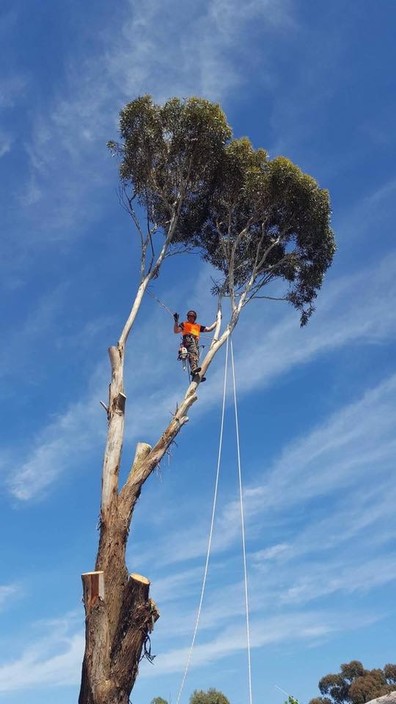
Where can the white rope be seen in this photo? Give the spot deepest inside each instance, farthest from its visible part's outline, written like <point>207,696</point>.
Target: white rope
<point>210,532</point>
<point>242,530</point>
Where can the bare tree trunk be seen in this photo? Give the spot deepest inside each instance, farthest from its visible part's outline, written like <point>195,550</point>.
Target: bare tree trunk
<point>119,615</point>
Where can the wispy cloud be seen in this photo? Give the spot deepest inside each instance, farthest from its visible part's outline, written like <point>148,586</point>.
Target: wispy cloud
<point>8,592</point>
<point>339,477</point>
<point>53,659</point>
<point>11,89</point>
<point>348,313</point>
<point>334,456</point>
<point>204,58</point>
<point>342,577</point>
<point>64,442</point>
<point>24,338</point>
<point>307,627</point>
<point>346,448</point>
<point>369,213</point>
<point>5,143</point>
<point>180,49</point>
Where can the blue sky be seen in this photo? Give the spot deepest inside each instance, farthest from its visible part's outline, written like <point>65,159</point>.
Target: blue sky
<point>308,79</point>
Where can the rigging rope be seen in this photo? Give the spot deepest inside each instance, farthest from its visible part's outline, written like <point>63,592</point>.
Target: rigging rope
<point>160,302</point>
<point>245,574</point>
<point>210,532</point>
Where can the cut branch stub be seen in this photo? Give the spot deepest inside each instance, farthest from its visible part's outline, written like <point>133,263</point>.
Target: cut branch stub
<point>142,583</point>
<point>137,618</point>
<point>93,588</point>
<point>119,403</point>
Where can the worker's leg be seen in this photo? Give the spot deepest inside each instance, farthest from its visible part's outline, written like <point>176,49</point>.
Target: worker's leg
<point>193,354</point>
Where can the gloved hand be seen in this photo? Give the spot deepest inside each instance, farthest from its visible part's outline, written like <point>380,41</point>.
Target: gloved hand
<point>176,317</point>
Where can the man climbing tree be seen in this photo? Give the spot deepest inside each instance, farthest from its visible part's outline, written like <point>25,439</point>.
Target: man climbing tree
<point>256,221</point>
<point>191,331</point>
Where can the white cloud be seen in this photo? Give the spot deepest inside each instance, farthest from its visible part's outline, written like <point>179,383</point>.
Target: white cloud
<point>177,49</point>
<point>307,627</point>
<point>26,334</point>
<point>186,49</point>
<point>350,311</point>
<point>367,214</point>
<point>62,443</point>
<point>55,659</point>
<point>7,593</point>
<point>5,143</point>
<point>348,314</point>
<point>11,89</point>
<point>270,553</point>
<point>337,454</point>
<point>325,578</point>
<point>334,462</point>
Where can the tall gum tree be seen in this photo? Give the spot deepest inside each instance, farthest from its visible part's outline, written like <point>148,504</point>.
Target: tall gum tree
<point>256,221</point>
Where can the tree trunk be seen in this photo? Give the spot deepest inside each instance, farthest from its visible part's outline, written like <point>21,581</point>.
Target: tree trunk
<point>119,614</point>
<point>113,651</point>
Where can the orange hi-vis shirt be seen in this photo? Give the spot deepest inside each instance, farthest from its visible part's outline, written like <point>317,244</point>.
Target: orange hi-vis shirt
<point>192,329</point>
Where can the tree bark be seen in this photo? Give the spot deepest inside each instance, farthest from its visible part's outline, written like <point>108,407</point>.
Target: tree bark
<point>111,660</point>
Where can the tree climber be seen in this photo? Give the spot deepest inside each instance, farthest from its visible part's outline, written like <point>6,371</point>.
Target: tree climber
<point>191,331</point>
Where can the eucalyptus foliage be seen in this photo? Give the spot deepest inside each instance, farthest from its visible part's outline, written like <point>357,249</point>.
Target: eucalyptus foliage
<point>256,220</point>
<point>356,685</point>
<point>170,154</point>
<point>267,221</point>
<point>212,696</point>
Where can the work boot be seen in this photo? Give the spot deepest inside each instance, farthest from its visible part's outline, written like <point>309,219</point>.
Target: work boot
<point>196,374</point>
<point>195,371</point>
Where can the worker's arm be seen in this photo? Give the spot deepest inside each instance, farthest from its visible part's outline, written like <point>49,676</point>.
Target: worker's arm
<point>209,328</point>
<point>177,327</point>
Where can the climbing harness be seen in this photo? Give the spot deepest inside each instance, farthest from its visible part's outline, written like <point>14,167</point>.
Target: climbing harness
<point>214,505</point>
<point>182,353</point>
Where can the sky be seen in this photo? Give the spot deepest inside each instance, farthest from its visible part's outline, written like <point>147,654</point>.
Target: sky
<point>307,79</point>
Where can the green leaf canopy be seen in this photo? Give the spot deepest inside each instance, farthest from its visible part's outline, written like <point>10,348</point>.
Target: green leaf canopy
<point>267,220</point>
<point>254,219</point>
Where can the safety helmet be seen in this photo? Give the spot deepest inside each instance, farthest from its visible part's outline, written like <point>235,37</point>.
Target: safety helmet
<point>192,312</point>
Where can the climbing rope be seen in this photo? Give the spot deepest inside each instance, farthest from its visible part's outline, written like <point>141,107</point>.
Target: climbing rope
<point>245,573</point>
<point>204,580</point>
<point>210,531</point>
<point>160,302</point>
